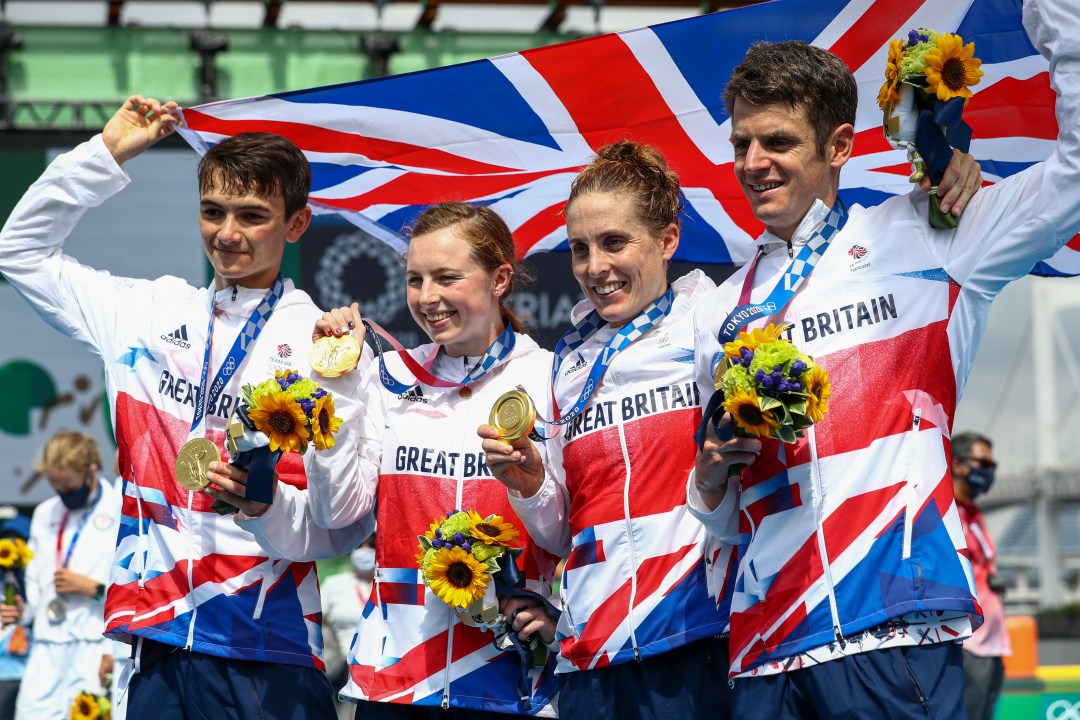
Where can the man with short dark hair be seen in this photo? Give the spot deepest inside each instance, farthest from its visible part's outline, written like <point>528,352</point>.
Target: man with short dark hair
<point>973,469</point>
<point>853,586</point>
<point>219,628</point>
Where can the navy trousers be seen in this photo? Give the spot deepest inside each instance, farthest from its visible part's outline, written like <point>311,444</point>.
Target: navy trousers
<point>686,683</point>
<point>173,684</point>
<point>904,683</point>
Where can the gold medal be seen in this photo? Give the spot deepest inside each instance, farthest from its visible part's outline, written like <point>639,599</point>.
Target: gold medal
<point>333,356</point>
<point>513,415</point>
<point>193,462</point>
<point>718,375</point>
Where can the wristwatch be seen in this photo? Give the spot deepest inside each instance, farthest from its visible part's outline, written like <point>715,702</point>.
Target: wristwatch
<point>99,592</point>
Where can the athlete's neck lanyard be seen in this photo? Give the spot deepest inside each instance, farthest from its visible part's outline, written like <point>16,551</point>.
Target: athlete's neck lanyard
<point>495,353</point>
<point>78,530</point>
<point>576,336</point>
<point>208,398</point>
<point>798,270</point>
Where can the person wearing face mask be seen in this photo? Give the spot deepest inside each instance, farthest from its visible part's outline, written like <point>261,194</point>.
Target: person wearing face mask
<point>973,470</point>
<point>344,596</point>
<point>65,581</point>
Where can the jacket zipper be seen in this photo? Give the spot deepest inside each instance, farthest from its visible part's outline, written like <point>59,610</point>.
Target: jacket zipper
<point>910,496</point>
<point>629,537</point>
<point>826,565</point>
<point>190,575</point>
<point>450,630</point>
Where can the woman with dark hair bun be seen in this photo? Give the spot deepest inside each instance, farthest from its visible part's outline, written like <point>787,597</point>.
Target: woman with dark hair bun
<point>407,452</point>
<point>642,618</point>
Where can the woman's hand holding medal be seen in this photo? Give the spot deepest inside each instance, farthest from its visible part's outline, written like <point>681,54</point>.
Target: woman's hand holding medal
<point>337,341</point>
<point>517,465</point>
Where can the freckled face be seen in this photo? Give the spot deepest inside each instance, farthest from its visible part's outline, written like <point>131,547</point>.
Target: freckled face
<point>451,296</point>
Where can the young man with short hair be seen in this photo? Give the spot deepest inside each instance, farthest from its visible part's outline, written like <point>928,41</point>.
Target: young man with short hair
<point>217,626</point>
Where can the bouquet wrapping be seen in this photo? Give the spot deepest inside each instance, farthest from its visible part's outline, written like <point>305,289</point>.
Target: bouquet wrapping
<point>927,76</point>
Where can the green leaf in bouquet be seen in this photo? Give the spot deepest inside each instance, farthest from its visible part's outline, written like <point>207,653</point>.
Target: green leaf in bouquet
<point>247,392</point>
<point>786,433</point>
<point>425,542</point>
<point>800,422</point>
<point>768,403</point>
<point>492,565</point>
<point>797,408</point>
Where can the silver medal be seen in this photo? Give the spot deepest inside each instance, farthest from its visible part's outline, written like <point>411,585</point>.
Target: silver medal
<point>57,610</point>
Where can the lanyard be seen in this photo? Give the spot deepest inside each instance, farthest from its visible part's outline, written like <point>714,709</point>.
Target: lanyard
<point>78,531</point>
<point>576,336</point>
<point>798,270</point>
<point>495,353</point>
<point>237,353</point>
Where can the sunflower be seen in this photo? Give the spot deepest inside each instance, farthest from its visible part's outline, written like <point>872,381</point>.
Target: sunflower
<point>282,420</point>
<point>818,389</point>
<point>25,553</point>
<point>746,409</point>
<point>324,423</point>
<point>430,534</point>
<point>750,340</point>
<point>456,577</point>
<point>494,530</point>
<point>9,553</point>
<point>951,68</point>
<point>888,93</point>
<point>85,707</point>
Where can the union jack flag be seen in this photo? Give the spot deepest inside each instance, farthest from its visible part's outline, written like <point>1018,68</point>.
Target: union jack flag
<point>513,131</point>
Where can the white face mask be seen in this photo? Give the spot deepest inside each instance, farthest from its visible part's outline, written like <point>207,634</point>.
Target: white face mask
<point>363,559</point>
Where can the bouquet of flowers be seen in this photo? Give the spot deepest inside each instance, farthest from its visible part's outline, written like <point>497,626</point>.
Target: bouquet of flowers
<point>468,562</point>
<point>771,389</point>
<point>88,706</point>
<point>927,76</point>
<point>459,556</point>
<point>285,413</point>
<point>15,554</point>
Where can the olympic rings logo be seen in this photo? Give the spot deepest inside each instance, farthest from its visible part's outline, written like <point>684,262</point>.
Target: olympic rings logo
<point>1063,710</point>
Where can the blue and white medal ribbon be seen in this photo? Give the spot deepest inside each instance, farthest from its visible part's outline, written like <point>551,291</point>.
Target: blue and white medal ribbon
<point>576,336</point>
<point>208,397</point>
<point>794,276</point>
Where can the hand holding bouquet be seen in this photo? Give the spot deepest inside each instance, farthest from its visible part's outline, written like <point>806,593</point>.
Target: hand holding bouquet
<point>15,554</point>
<point>927,76</point>
<point>771,389</point>
<point>468,562</point>
<point>285,413</point>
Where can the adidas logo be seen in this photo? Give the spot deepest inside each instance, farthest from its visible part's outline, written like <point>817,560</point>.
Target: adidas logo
<point>579,364</point>
<point>178,337</point>
<point>413,394</point>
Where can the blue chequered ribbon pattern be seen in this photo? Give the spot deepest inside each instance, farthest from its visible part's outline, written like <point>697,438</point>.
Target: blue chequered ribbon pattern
<point>812,251</point>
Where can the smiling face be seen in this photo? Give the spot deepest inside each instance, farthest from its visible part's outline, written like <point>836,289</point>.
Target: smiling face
<point>620,265</point>
<point>451,296</point>
<point>779,165</point>
<point>244,236</point>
